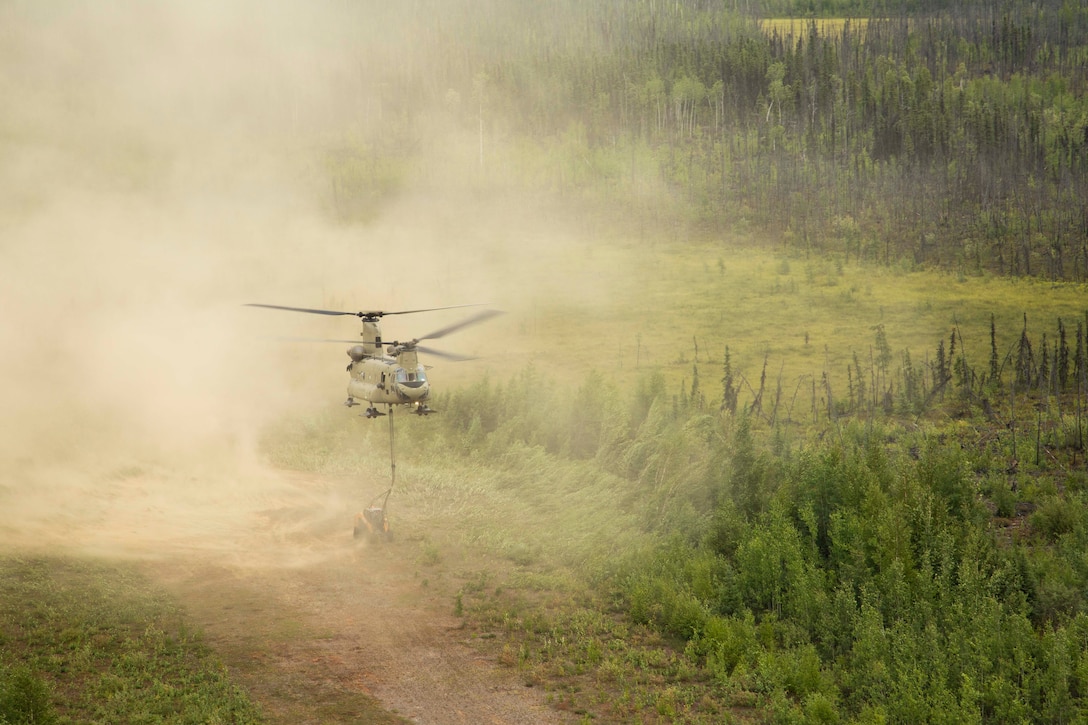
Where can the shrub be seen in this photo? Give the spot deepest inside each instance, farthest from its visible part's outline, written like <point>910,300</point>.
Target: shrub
<point>1056,517</point>
<point>24,697</point>
<point>728,642</point>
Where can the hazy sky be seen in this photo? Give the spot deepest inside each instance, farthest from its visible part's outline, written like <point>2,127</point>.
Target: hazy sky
<point>143,196</point>
<point>163,163</point>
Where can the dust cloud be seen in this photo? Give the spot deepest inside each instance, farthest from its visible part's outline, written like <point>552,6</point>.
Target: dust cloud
<point>160,166</point>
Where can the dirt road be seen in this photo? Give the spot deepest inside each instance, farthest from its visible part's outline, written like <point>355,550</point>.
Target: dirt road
<point>317,626</point>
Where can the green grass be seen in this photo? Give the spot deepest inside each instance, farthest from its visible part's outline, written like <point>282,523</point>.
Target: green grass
<point>820,312</point>
<point>86,641</point>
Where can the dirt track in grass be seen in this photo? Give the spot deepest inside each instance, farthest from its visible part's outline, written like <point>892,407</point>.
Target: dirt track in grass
<point>316,625</point>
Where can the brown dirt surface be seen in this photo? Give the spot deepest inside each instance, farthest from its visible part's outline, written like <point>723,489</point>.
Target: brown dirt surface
<point>316,625</point>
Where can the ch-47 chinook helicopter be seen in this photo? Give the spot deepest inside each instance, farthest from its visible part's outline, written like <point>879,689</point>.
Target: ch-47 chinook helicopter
<point>393,376</point>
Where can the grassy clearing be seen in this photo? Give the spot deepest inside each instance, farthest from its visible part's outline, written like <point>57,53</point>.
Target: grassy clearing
<point>670,308</point>
<point>86,641</point>
<point>824,26</point>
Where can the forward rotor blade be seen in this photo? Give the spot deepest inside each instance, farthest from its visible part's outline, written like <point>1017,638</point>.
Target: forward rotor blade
<point>363,313</point>
<point>317,339</point>
<point>304,309</point>
<point>474,320</point>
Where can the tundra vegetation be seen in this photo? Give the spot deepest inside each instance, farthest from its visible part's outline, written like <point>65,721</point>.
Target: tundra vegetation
<point>879,514</point>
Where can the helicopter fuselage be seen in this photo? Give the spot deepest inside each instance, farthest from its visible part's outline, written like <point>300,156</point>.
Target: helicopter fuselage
<point>382,380</point>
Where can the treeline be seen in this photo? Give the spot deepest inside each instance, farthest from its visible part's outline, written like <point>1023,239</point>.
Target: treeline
<point>951,135</point>
<point>862,567</point>
<point>1048,369</point>
<point>855,8</point>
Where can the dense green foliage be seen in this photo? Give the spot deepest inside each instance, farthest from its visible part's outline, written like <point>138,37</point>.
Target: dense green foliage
<point>866,576</point>
<point>85,642</point>
<point>877,583</point>
<point>954,135</point>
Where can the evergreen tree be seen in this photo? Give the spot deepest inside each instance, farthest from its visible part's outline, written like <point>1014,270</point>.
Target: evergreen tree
<point>729,386</point>
<point>1062,357</point>
<point>1025,359</point>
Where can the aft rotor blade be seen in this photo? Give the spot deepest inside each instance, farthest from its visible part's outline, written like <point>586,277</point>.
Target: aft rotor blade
<point>474,320</point>
<point>454,357</point>
<point>431,309</point>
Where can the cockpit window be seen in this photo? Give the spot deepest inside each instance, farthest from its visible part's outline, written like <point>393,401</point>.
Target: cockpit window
<point>411,376</point>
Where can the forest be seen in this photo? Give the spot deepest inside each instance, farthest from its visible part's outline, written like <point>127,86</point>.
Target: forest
<point>923,134</point>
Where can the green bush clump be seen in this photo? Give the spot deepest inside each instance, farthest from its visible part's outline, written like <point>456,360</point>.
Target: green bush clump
<point>24,697</point>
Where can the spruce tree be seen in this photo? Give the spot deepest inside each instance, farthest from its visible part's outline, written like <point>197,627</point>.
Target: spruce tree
<point>729,386</point>
<point>1025,359</point>
<point>1063,357</point>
